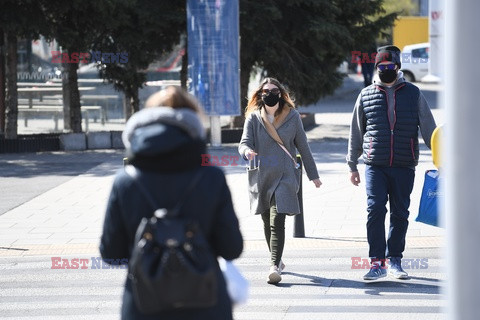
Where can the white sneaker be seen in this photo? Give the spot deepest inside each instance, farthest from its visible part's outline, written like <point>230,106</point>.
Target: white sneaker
<point>281,266</point>
<point>396,269</point>
<point>274,275</point>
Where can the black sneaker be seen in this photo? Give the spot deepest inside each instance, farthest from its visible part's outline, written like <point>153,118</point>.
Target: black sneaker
<point>376,272</point>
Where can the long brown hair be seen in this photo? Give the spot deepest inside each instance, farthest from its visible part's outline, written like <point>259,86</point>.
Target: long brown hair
<point>256,102</point>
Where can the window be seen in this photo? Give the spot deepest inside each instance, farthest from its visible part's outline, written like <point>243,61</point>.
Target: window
<point>421,53</point>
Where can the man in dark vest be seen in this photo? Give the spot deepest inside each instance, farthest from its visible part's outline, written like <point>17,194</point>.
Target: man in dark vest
<point>384,128</point>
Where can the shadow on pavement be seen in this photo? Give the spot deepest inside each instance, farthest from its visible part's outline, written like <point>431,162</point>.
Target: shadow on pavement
<point>25,176</point>
<point>57,163</point>
<point>314,280</point>
<point>372,287</point>
<point>338,239</point>
<point>399,286</point>
<point>426,279</point>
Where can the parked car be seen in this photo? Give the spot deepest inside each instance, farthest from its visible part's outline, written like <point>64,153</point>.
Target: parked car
<point>415,61</point>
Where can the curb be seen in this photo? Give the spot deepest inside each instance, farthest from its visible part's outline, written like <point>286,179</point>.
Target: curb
<point>73,142</point>
<point>63,142</point>
<point>292,243</point>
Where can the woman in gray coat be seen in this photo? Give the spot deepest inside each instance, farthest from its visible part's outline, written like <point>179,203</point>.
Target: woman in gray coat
<point>272,133</point>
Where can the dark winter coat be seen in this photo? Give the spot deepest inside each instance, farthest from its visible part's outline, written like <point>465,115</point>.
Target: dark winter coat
<point>167,149</point>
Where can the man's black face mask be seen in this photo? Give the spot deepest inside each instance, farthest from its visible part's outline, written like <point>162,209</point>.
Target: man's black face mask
<point>387,76</point>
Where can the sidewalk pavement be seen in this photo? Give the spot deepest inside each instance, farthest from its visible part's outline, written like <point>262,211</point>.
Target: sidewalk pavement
<point>70,215</point>
<point>64,216</point>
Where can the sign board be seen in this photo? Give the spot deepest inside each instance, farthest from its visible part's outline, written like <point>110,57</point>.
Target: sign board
<point>213,55</point>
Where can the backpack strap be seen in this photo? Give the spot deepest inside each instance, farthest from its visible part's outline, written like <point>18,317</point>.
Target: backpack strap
<point>133,172</point>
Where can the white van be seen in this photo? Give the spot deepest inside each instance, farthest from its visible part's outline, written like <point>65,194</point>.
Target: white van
<point>415,61</point>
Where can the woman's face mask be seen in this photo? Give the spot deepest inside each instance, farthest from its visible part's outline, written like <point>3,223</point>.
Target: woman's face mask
<point>271,96</point>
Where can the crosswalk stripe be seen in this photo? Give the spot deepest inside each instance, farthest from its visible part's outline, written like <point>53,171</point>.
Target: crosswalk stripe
<point>314,286</point>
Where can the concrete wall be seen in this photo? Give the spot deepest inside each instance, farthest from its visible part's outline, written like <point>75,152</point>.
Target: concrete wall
<point>91,140</point>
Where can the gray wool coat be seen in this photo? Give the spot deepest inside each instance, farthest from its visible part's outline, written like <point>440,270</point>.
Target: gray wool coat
<point>275,173</point>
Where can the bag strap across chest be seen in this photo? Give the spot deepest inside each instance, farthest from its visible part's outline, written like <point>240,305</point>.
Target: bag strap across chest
<point>274,134</point>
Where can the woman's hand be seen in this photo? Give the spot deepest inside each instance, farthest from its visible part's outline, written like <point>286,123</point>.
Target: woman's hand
<point>250,154</point>
<point>317,182</point>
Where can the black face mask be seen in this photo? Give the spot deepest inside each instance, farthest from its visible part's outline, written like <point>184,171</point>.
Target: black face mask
<point>387,76</point>
<point>270,99</point>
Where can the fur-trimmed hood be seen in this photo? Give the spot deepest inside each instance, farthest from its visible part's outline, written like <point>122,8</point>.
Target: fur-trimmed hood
<point>155,120</point>
<point>162,138</point>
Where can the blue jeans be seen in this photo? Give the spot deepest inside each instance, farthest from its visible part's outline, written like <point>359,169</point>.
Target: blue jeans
<point>395,185</point>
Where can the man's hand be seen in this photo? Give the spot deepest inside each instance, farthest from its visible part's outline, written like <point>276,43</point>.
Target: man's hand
<point>317,183</point>
<point>355,178</point>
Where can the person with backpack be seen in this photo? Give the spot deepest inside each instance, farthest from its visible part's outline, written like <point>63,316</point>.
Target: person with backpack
<point>272,133</point>
<point>164,143</point>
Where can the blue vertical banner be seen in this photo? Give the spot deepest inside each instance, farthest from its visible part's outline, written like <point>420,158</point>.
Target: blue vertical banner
<point>213,55</point>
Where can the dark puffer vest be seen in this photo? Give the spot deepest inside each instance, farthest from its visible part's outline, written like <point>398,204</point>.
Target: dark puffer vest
<point>389,145</point>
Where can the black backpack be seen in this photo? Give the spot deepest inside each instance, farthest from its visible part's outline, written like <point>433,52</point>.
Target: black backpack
<point>172,265</point>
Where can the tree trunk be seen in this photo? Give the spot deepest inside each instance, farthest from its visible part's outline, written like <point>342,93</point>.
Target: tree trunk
<point>75,107</point>
<point>135,101</point>
<point>184,70</point>
<point>11,97</point>
<point>66,98</point>
<point>127,108</point>
<point>2,84</point>
<point>131,103</point>
<point>28,55</point>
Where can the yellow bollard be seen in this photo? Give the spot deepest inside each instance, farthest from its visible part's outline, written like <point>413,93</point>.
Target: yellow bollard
<point>435,142</point>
